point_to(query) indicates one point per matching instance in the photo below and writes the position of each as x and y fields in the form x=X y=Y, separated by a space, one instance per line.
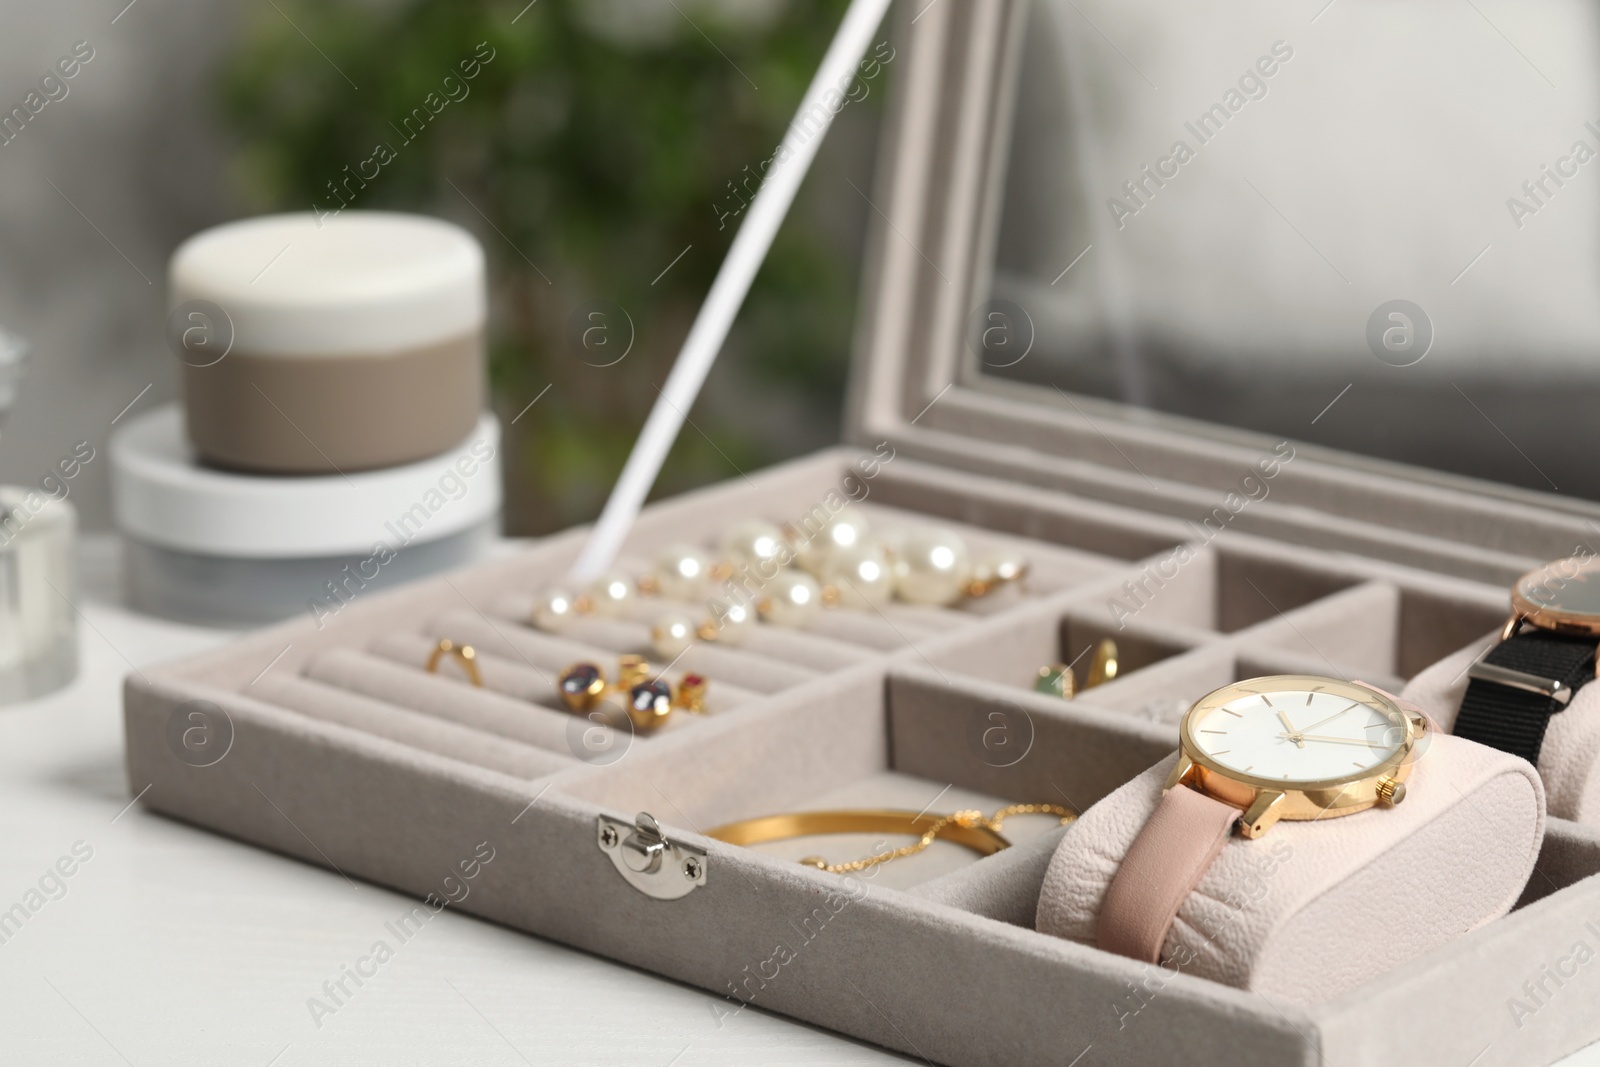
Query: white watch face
x=1298 y=735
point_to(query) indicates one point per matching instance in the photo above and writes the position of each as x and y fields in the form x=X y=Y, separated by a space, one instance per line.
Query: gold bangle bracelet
x=969 y=829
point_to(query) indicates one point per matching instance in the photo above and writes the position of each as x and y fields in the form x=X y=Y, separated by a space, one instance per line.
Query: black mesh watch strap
x=1506 y=713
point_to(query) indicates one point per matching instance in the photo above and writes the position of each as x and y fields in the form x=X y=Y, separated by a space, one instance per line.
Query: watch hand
x=1293 y=734
x=1346 y=741
x=1330 y=718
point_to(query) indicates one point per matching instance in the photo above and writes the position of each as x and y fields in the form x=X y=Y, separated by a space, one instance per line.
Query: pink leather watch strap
x=1162 y=867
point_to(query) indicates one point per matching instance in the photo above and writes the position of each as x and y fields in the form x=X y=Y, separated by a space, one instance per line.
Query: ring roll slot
x=551 y=653
x=512 y=640
x=885 y=629
x=519 y=680
x=409 y=727
x=1051 y=568
x=914 y=619
x=926 y=618
x=863 y=629
x=1080 y=526
x=522 y=683
x=809 y=650
x=447 y=698
x=891 y=628
x=720 y=663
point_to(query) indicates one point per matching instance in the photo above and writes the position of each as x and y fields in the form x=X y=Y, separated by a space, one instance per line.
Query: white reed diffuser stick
x=738 y=271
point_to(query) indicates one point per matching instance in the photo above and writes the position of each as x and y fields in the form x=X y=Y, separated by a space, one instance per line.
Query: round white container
x=222 y=548
x=317 y=345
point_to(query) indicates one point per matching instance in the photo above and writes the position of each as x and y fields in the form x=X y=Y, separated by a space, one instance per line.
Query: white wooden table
x=172 y=946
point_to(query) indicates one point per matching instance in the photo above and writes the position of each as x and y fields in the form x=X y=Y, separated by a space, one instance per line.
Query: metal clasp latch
x=1553 y=688
x=655 y=866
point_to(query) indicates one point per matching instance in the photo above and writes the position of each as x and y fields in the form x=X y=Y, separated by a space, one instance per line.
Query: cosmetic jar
x=327 y=343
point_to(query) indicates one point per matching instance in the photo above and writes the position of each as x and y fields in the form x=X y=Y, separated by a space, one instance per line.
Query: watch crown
x=1390 y=791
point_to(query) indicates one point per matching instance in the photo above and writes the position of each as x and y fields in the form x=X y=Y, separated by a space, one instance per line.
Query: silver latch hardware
x=655 y=866
x=1553 y=688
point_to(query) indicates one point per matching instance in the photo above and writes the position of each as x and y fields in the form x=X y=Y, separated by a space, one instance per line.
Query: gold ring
x=464 y=655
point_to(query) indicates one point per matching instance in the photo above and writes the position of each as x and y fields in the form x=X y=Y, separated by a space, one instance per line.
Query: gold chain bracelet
x=968 y=828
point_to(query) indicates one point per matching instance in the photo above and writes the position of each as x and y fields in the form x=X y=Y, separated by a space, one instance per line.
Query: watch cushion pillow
x=1311 y=909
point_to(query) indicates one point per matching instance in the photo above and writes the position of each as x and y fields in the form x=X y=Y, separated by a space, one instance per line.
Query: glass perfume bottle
x=38 y=570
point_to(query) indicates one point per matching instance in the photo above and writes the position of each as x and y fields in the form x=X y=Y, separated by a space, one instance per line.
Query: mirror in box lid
x=1370 y=227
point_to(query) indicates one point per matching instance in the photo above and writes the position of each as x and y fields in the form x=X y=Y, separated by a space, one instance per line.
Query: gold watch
x=1282 y=747
x=1297 y=747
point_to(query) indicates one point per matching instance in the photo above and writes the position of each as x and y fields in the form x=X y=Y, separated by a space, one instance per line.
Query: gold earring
x=648 y=701
x=1104 y=667
x=581 y=686
x=690 y=693
x=631 y=670
x=1057 y=679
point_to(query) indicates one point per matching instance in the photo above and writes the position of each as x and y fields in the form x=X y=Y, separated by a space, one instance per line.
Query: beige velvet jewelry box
x=341 y=751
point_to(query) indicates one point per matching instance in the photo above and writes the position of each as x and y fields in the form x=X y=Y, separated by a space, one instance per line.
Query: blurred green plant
x=595 y=141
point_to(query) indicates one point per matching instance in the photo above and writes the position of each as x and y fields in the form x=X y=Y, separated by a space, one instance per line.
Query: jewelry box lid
x=1137 y=258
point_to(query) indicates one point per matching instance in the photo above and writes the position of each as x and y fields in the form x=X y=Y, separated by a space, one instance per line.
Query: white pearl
x=843 y=532
x=612 y=594
x=757 y=546
x=554 y=611
x=932 y=567
x=681 y=572
x=732 y=622
x=847 y=530
x=671 y=635
x=791 y=599
x=862 y=576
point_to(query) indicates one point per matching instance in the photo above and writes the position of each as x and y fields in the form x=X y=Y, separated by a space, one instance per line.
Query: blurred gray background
x=101 y=186
x=1241 y=293
x=132 y=148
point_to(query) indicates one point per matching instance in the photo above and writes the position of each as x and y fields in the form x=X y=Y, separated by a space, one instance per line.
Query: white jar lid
x=357 y=282
x=162 y=495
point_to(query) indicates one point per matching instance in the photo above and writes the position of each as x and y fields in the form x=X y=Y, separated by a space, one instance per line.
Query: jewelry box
x=1208 y=556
